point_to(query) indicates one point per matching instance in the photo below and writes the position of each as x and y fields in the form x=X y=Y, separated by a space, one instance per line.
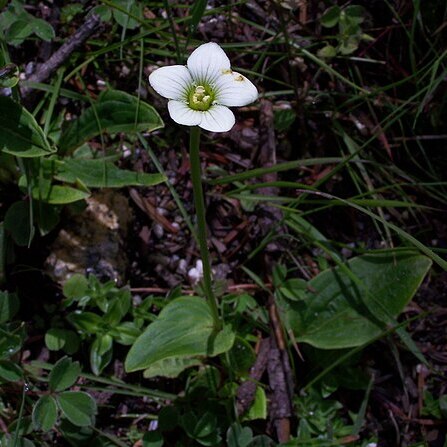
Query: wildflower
x=201 y=92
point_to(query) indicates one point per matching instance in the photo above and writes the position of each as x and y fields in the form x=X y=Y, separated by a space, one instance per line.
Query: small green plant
x=17 y=25
x=77 y=407
x=98 y=318
x=350 y=33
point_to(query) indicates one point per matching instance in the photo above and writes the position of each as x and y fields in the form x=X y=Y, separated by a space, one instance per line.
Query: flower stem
x=196 y=175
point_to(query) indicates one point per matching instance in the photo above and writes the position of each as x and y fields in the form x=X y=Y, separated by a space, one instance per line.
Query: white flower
x=196 y=273
x=201 y=92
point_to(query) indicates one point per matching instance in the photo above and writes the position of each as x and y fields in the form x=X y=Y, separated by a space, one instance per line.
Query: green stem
x=196 y=175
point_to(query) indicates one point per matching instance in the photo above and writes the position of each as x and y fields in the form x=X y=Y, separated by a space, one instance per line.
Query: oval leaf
x=114 y=111
x=340 y=313
x=64 y=374
x=20 y=134
x=44 y=413
x=78 y=407
x=331 y=16
x=184 y=328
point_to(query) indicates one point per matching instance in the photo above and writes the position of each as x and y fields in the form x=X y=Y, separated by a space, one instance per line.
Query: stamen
x=201 y=98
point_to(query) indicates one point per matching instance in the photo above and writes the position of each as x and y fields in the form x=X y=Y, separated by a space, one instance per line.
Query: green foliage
x=184 y=328
x=20 y=135
x=127 y=13
x=101 y=325
x=114 y=111
x=45 y=413
x=368 y=131
x=16 y=24
x=102 y=174
x=78 y=407
x=350 y=33
x=64 y=374
x=362 y=298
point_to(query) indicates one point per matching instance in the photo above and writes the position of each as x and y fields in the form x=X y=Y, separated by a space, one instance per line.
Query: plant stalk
x=196 y=176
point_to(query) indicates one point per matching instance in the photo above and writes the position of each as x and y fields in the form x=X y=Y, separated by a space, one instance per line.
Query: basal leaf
x=338 y=312
x=103 y=174
x=114 y=111
x=184 y=328
x=20 y=134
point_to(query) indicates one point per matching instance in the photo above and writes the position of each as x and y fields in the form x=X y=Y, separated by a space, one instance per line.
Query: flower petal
x=234 y=90
x=207 y=62
x=217 y=119
x=171 y=82
x=181 y=113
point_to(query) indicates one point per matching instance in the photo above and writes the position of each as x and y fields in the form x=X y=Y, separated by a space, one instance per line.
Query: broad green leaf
x=114 y=111
x=20 y=134
x=18 y=32
x=355 y=13
x=78 y=407
x=123 y=19
x=9 y=306
x=10 y=371
x=58 y=194
x=339 y=312
x=43 y=29
x=184 y=328
x=64 y=374
x=330 y=17
x=44 y=413
x=104 y=12
x=103 y=174
x=170 y=367
x=55 y=339
x=76 y=287
x=9 y=76
x=101 y=352
x=17 y=222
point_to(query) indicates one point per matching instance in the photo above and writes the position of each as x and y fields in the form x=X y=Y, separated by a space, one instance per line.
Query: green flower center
x=200 y=97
